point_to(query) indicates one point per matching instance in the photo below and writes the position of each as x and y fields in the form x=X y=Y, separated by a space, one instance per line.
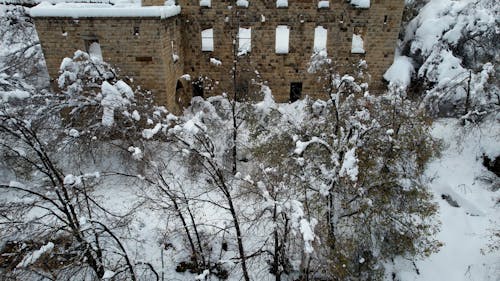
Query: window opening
x=295 y=91
x=93 y=49
x=207 y=40
x=358 y=43
x=197 y=88
x=242 y=89
x=320 y=39
x=281 y=3
x=282 y=39
x=206 y=3
x=323 y=4
x=244 y=41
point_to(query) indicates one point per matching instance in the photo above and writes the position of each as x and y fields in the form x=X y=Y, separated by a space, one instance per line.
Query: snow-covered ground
x=466 y=230
x=457 y=174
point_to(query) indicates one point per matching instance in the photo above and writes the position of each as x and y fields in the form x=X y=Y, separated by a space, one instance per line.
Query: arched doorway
x=181 y=97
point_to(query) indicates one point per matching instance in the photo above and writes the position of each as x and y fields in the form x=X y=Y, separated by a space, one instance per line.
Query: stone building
x=259 y=41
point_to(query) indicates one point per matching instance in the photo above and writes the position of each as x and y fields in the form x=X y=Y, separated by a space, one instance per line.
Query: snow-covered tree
x=453 y=49
x=356 y=162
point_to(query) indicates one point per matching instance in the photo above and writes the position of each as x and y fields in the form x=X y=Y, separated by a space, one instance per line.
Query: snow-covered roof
x=130 y=8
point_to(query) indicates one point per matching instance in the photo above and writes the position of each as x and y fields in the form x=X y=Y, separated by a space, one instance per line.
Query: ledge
x=79 y=10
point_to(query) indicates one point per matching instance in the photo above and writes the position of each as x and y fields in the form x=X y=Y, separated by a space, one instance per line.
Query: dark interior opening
x=197 y=88
x=295 y=91
x=179 y=85
x=242 y=90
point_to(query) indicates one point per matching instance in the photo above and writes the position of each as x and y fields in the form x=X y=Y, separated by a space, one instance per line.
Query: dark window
x=179 y=85
x=242 y=89
x=385 y=19
x=197 y=88
x=143 y=58
x=295 y=91
x=181 y=98
x=136 y=30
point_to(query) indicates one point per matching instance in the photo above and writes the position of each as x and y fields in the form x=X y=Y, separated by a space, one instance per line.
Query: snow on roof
x=361 y=3
x=126 y=8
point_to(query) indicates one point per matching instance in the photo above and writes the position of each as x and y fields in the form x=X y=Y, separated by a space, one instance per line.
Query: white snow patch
x=215 y=62
x=357 y=44
x=350 y=165
x=108 y=274
x=361 y=3
x=95 y=10
x=400 y=71
x=33 y=257
x=149 y=133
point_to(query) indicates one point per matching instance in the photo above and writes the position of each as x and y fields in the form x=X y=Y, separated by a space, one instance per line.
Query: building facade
x=228 y=44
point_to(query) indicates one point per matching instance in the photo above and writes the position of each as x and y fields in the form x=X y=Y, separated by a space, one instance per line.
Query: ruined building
x=269 y=41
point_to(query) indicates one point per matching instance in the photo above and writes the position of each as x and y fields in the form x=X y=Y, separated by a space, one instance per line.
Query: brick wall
x=379 y=25
x=159 y=39
x=145 y=56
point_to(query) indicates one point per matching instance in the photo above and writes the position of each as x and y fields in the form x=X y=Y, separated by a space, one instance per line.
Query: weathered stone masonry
x=148 y=55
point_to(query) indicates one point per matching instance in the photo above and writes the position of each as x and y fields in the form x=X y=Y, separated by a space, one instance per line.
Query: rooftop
x=93 y=9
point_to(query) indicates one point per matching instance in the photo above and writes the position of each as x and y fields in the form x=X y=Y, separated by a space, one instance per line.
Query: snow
x=207 y=40
x=108 y=274
x=136 y=116
x=186 y=77
x=112 y=99
x=350 y=165
x=282 y=37
x=74 y=133
x=5 y=96
x=281 y=3
x=307 y=230
x=33 y=257
x=267 y=104
x=215 y=62
x=149 y=133
x=242 y=3
x=124 y=89
x=400 y=71
x=244 y=41
x=203 y=275
x=71 y=180
x=95 y=10
x=323 y=4
x=357 y=44
x=205 y=3
x=95 y=52
x=136 y=152
x=361 y=3
x=465 y=229
x=301 y=146
x=320 y=39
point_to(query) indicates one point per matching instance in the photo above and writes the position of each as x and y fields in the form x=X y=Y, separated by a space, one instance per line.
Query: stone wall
x=379 y=26
x=141 y=48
